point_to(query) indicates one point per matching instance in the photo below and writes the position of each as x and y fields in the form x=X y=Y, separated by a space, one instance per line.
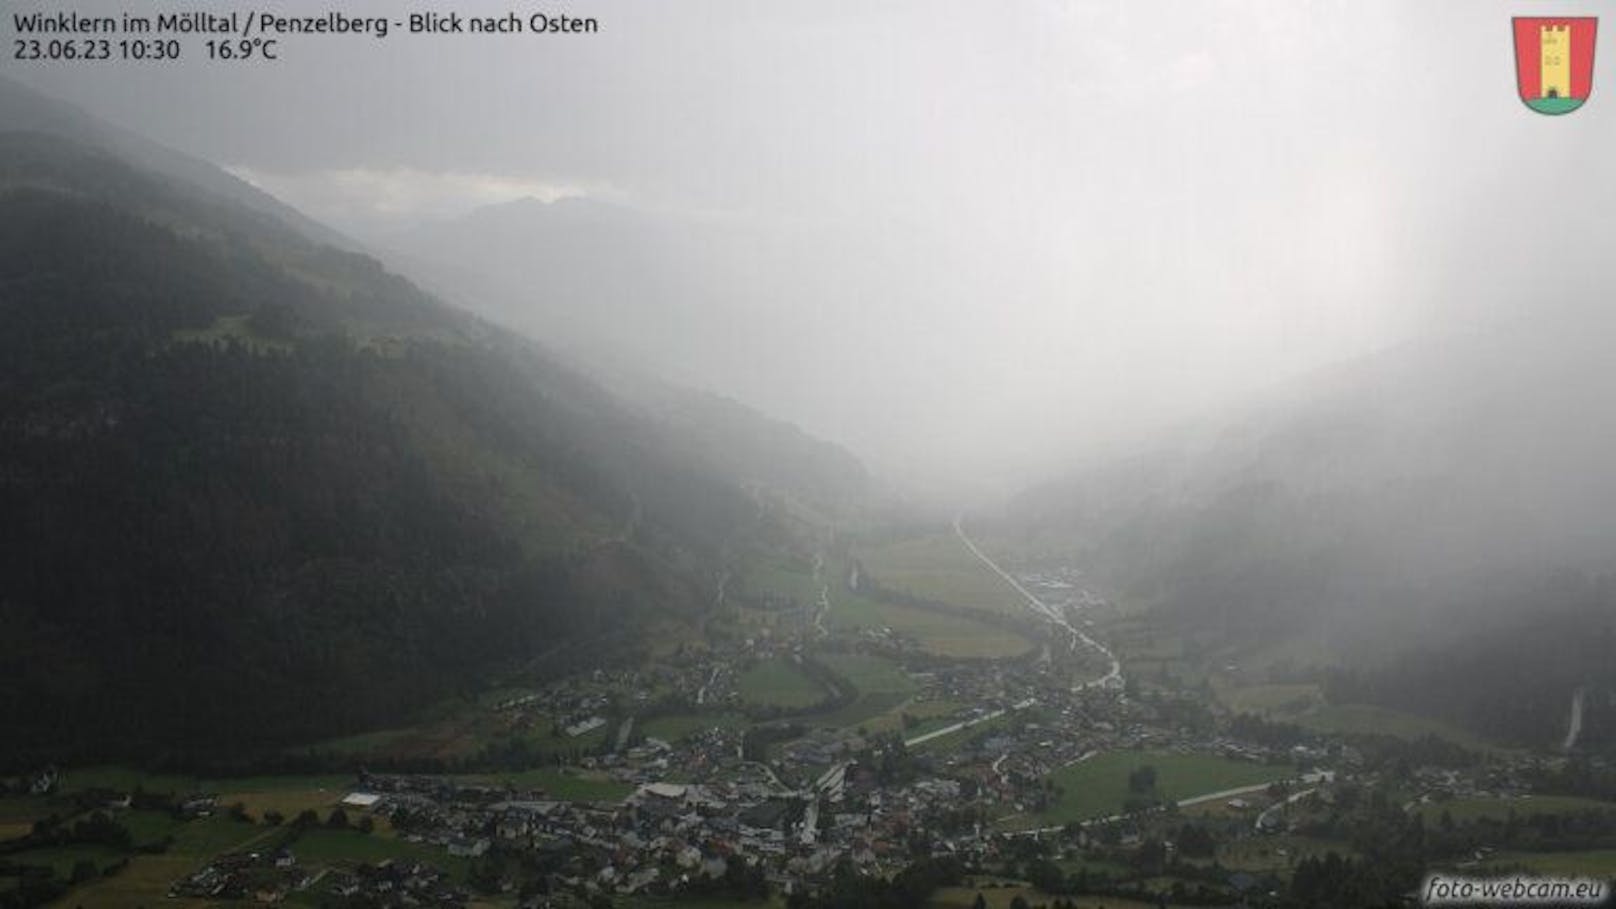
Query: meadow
x=1098 y=787
x=1366 y=719
x=1499 y=809
x=941 y=569
x=777 y=683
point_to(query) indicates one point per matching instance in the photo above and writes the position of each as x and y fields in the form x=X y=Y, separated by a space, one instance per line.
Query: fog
x=974 y=243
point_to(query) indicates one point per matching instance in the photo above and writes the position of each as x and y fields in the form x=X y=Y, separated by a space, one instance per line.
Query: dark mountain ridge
x=259 y=490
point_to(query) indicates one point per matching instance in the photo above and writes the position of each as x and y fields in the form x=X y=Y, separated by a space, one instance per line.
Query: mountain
x=260 y=490
x=1447 y=496
x=28 y=111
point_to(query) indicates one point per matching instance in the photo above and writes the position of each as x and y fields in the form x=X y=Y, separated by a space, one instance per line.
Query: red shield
x=1554 y=62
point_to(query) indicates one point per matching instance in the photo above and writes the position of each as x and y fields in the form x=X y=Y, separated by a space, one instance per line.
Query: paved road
x=966 y=724
x=1113 y=675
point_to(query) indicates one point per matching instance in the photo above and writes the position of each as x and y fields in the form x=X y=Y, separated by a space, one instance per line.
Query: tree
x=1142 y=780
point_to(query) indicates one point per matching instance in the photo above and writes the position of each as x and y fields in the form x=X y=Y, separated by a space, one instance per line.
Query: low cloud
x=366 y=200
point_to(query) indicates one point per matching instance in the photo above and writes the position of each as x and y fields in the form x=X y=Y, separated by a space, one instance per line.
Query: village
x=666 y=778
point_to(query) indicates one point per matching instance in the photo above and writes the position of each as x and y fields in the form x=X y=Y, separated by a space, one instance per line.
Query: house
x=465 y=847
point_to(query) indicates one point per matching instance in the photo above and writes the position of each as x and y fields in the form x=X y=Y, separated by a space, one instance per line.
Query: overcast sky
x=1076 y=221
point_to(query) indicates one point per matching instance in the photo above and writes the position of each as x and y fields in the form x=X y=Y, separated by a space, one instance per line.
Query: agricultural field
x=941 y=569
x=870 y=674
x=382 y=740
x=932 y=631
x=1593 y=862
x=1098 y=787
x=783 y=578
x=17 y=815
x=1499 y=809
x=925 y=716
x=1269 y=700
x=147 y=878
x=1366 y=719
x=320 y=846
x=882 y=685
x=777 y=683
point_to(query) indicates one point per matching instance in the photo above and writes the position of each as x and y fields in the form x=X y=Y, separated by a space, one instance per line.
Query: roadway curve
x=1113 y=675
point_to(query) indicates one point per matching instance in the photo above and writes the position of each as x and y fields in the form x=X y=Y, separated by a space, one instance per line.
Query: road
x=1113 y=675
x=966 y=724
x=701 y=696
x=1261 y=823
x=824 y=595
x=1575 y=730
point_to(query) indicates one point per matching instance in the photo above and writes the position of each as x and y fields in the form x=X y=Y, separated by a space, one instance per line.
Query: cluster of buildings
x=265 y=877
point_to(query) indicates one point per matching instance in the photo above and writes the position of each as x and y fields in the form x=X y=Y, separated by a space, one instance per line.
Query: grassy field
x=784 y=578
x=928 y=715
x=1596 y=862
x=777 y=683
x=866 y=709
x=940 y=568
x=934 y=632
x=321 y=846
x=1364 y=719
x=18 y=813
x=1462 y=810
x=1270 y=700
x=1098 y=787
x=144 y=882
x=147 y=878
x=869 y=674
x=368 y=742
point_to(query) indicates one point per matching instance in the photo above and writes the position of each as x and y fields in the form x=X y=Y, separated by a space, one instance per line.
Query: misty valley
x=524 y=556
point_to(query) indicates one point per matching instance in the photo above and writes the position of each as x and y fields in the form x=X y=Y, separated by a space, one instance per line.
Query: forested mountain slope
x=1445 y=497
x=256 y=489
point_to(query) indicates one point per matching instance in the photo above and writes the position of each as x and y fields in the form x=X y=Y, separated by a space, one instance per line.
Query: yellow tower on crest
x=1556 y=56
